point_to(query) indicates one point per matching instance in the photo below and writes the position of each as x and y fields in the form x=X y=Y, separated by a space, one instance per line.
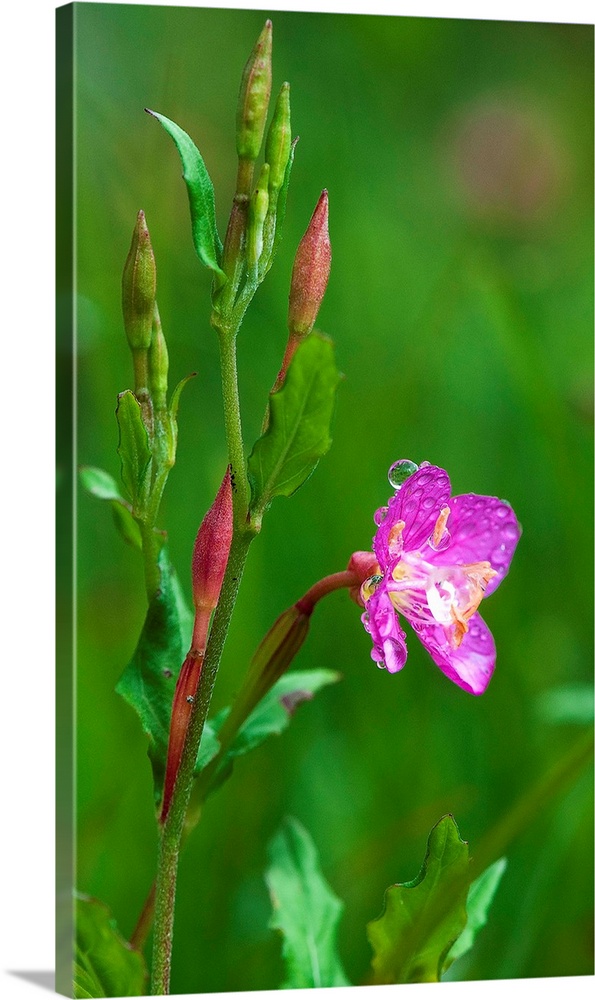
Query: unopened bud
x=278 y=143
x=138 y=287
x=310 y=273
x=211 y=548
x=253 y=101
x=364 y=565
x=259 y=206
x=158 y=364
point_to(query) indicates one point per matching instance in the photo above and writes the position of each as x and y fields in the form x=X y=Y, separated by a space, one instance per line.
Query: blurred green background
x=458 y=159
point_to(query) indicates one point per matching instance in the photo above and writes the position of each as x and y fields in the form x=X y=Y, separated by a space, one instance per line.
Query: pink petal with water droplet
x=471 y=665
x=418 y=503
x=383 y=625
x=481 y=528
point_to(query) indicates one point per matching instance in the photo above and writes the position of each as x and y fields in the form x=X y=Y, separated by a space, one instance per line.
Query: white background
x=27 y=470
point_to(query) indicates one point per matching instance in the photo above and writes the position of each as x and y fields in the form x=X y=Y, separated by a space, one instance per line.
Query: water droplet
x=381 y=664
x=499 y=556
x=428 y=502
x=379 y=515
x=509 y=531
x=400 y=471
x=443 y=542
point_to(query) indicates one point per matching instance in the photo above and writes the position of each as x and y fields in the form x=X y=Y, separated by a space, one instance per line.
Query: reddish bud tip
x=311 y=270
x=211 y=548
x=363 y=564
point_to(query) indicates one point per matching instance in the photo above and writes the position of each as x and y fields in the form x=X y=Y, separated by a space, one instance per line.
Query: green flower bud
x=259 y=206
x=278 y=142
x=138 y=287
x=158 y=364
x=255 y=91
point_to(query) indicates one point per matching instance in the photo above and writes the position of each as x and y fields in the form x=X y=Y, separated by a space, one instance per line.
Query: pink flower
x=437 y=558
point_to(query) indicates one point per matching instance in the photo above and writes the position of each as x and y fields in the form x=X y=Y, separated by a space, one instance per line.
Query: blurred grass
x=458 y=158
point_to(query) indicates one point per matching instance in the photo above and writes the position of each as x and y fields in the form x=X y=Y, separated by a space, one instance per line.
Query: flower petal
x=481 y=528
x=471 y=665
x=381 y=621
x=418 y=503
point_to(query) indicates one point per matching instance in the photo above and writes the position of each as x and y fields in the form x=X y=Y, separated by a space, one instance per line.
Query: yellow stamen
x=440 y=526
x=395 y=534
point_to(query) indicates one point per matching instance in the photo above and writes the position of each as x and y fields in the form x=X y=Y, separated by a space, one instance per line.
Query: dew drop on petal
x=443 y=543
x=400 y=471
x=379 y=515
x=499 y=556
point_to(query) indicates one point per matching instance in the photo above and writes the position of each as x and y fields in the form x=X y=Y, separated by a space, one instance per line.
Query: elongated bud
x=211 y=548
x=278 y=142
x=158 y=364
x=253 y=101
x=139 y=283
x=311 y=270
x=259 y=206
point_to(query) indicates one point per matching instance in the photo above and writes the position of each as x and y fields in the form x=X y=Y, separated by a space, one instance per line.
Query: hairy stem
x=171 y=835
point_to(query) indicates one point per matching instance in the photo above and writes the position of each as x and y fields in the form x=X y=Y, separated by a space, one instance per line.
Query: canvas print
x=325 y=475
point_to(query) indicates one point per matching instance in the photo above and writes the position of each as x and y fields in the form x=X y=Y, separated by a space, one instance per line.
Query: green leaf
x=105 y=964
x=271 y=717
x=103 y=486
x=149 y=680
x=479 y=900
x=305 y=910
x=273 y=714
x=298 y=434
x=423 y=918
x=175 y=396
x=200 y=195
x=282 y=200
x=133 y=447
x=569 y=703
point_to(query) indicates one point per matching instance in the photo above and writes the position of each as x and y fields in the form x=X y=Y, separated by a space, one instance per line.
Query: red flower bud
x=211 y=548
x=311 y=269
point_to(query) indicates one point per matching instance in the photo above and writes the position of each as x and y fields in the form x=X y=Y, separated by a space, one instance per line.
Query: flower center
x=433 y=595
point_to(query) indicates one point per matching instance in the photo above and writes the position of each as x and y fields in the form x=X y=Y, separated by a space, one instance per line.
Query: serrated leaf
x=305 y=910
x=200 y=195
x=100 y=484
x=148 y=681
x=133 y=446
x=105 y=964
x=298 y=434
x=423 y=918
x=479 y=900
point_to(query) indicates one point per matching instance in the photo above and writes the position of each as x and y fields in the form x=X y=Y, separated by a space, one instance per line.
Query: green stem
x=233 y=428
x=151 y=547
x=171 y=835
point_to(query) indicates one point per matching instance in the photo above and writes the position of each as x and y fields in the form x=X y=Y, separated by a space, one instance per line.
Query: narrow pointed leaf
x=200 y=195
x=105 y=965
x=148 y=681
x=423 y=918
x=175 y=396
x=103 y=486
x=479 y=900
x=133 y=447
x=305 y=910
x=298 y=434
